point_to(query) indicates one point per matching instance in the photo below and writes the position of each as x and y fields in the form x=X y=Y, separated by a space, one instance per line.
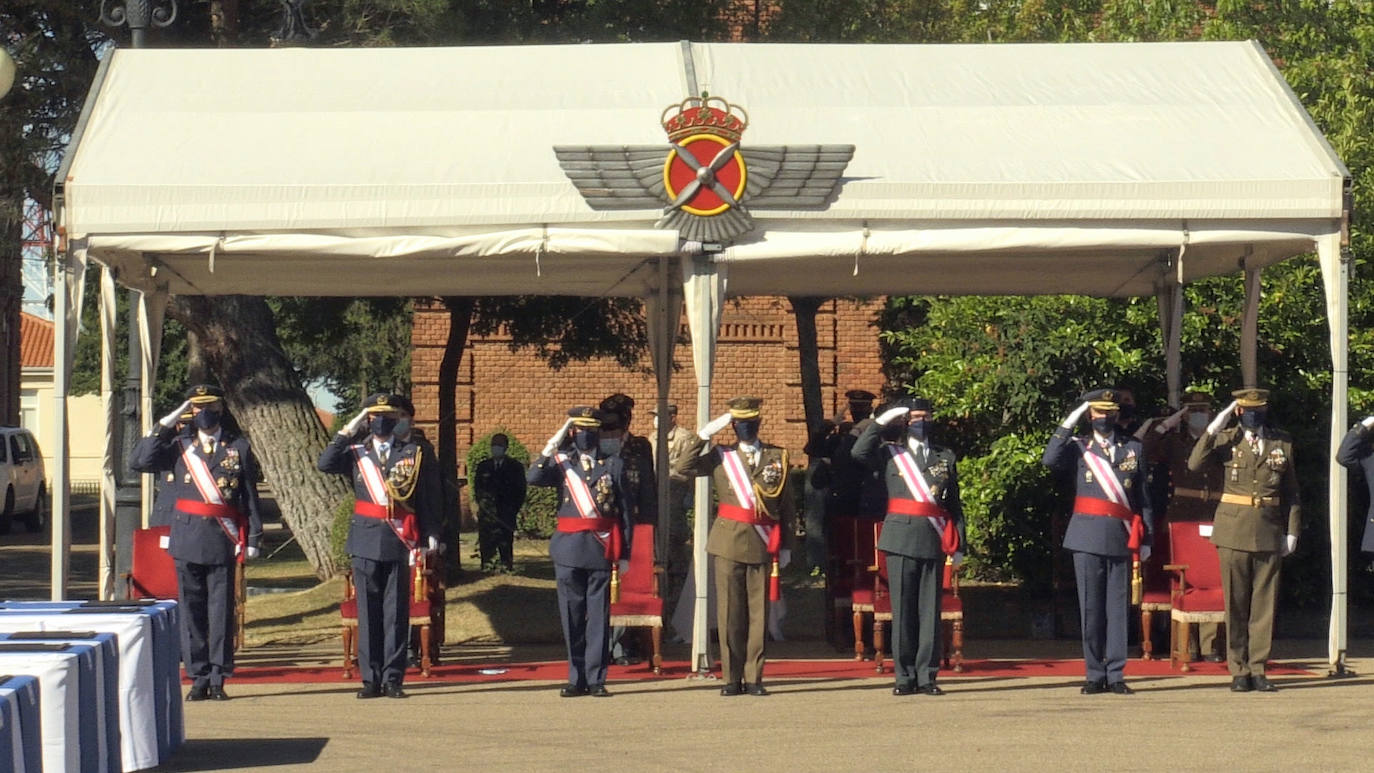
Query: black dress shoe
x=1241 y=684
x=731 y=688
x=1262 y=684
x=1215 y=658
x=217 y=693
x=198 y=694
x=599 y=691
x=1094 y=687
x=393 y=690
x=571 y=691
x=756 y=688
x=1120 y=688
x=930 y=689
x=369 y=690
x=903 y=689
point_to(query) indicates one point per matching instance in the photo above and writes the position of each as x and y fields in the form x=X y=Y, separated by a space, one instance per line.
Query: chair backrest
x=1189 y=547
x=640 y=578
x=152 y=572
x=879 y=559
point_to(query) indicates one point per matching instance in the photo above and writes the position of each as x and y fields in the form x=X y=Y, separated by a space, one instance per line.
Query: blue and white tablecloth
x=66 y=682
x=105 y=713
x=21 y=749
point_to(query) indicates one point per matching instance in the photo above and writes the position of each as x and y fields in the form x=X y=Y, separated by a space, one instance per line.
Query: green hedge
x=537 y=518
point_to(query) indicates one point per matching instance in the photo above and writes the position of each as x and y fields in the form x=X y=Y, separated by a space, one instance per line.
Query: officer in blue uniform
x=164 y=490
x=593 y=533
x=395 y=517
x=1110 y=507
x=924 y=524
x=215 y=526
x=1357 y=453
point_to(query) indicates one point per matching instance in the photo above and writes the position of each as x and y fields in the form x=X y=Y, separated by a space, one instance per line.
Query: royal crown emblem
x=704 y=180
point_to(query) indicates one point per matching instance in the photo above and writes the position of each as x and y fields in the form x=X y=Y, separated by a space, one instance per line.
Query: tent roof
x=979 y=169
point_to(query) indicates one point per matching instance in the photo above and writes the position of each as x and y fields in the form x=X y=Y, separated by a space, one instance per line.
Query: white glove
x=1144 y=553
x=171 y=419
x=714 y=425
x=1221 y=419
x=958 y=558
x=784 y=558
x=1290 y=543
x=1173 y=421
x=624 y=566
x=1368 y=422
x=892 y=414
x=354 y=424
x=551 y=447
x=1073 y=417
x=252 y=553
x=433 y=544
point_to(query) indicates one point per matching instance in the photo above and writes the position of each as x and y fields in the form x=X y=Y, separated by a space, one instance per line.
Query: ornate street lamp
x=139 y=15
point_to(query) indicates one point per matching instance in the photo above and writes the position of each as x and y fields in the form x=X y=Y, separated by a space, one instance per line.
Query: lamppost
x=139 y=15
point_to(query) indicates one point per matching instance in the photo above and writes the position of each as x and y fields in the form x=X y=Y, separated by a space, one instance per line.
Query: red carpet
x=554 y=671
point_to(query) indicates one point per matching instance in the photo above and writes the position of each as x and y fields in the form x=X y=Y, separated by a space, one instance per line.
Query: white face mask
x=610 y=446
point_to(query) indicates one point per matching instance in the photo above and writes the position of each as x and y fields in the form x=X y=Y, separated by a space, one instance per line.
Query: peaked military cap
x=1195 y=397
x=203 y=394
x=1251 y=397
x=860 y=396
x=619 y=402
x=909 y=402
x=403 y=403
x=585 y=416
x=612 y=420
x=744 y=407
x=1102 y=399
x=380 y=403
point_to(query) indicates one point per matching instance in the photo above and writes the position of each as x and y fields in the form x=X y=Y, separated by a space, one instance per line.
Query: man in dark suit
x=1256 y=525
x=215 y=526
x=498 y=488
x=750 y=539
x=924 y=525
x=395 y=519
x=1112 y=519
x=591 y=539
x=1357 y=453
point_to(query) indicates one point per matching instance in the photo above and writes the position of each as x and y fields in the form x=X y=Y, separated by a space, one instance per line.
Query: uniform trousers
x=206 y=595
x=1104 y=607
x=741 y=617
x=1250 y=584
x=383 y=593
x=915 y=587
x=584 y=608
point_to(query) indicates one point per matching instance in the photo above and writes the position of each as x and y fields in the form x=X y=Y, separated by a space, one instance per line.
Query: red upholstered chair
x=641 y=602
x=1155 y=594
x=1195 y=590
x=426 y=613
x=865 y=564
x=153 y=574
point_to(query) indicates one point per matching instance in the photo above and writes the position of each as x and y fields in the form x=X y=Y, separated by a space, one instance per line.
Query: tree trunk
x=808 y=354
x=11 y=298
x=459 y=322
x=238 y=338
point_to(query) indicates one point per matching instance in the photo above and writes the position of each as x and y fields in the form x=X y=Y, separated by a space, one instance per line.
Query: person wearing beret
x=590 y=541
x=1112 y=522
x=215 y=526
x=750 y=539
x=1357 y=453
x=1256 y=525
x=924 y=526
x=395 y=518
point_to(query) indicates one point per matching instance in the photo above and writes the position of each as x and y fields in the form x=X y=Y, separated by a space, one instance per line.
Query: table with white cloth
x=150 y=718
x=21 y=736
x=66 y=682
x=104 y=715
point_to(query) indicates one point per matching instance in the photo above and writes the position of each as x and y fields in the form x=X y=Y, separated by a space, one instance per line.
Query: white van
x=23 y=479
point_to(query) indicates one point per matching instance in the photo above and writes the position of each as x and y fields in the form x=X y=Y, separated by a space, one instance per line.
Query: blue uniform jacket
x=197 y=539
x=1102 y=535
x=614 y=498
x=374 y=538
x=1355 y=452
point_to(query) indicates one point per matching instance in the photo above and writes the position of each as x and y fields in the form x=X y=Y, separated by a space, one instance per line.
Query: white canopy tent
x=1107 y=170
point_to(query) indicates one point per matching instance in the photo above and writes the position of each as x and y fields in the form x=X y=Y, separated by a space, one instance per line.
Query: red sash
x=949 y=534
x=744 y=515
x=409 y=531
x=577 y=524
x=406 y=529
x=1135 y=525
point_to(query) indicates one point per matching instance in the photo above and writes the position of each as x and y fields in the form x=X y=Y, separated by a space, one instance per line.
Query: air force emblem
x=704 y=177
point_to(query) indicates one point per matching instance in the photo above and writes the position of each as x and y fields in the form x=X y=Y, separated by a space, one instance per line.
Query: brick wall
x=757 y=354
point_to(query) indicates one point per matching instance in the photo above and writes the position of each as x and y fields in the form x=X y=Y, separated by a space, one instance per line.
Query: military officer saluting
x=1256 y=524
x=395 y=519
x=1357 y=453
x=924 y=525
x=592 y=534
x=750 y=539
x=215 y=526
x=1111 y=524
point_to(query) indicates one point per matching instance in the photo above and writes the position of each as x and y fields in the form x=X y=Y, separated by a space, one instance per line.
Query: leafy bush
x=338 y=532
x=538 y=516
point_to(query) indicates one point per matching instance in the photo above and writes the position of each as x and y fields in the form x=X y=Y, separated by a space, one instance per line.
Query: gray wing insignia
x=793 y=176
x=615 y=176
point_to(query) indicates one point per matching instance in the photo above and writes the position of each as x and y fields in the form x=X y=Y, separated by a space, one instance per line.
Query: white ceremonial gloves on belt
x=251 y=553
x=1145 y=552
x=354 y=424
x=1290 y=543
x=433 y=544
x=784 y=557
x=1077 y=413
x=623 y=566
x=171 y=419
x=714 y=425
x=891 y=414
x=551 y=447
x=958 y=558
x=1222 y=418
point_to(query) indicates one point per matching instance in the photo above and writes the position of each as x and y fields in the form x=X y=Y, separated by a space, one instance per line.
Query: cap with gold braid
x=744 y=407
x=204 y=394
x=1251 y=397
x=1102 y=399
x=380 y=403
x=1196 y=397
x=585 y=416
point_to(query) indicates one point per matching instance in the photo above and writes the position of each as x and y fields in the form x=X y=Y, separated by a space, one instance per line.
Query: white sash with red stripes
x=742 y=485
x=580 y=493
x=1106 y=476
x=916 y=483
x=209 y=490
x=376 y=489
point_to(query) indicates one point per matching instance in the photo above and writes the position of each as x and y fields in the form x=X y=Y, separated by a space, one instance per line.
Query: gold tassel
x=420 y=578
x=615 y=584
x=1137 y=586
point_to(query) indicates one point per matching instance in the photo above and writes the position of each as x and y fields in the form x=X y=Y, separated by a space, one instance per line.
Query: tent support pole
x=61 y=475
x=1249 y=327
x=1335 y=264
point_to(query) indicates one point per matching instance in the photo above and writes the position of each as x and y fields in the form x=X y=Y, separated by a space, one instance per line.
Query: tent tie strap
x=863 y=246
x=539 y=251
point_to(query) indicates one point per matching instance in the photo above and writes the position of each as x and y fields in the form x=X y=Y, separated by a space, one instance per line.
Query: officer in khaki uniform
x=1256 y=525
x=750 y=539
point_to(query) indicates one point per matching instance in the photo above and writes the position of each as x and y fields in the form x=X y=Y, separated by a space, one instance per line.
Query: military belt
x=1249 y=501
x=1197 y=493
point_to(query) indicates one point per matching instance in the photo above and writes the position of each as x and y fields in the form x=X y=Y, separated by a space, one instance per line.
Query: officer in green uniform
x=750 y=539
x=1256 y=525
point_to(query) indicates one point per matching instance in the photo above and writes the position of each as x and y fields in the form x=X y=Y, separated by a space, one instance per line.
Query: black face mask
x=1104 y=425
x=1124 y=416
x=206 y=420
x=587 y=440
x=919 y=429
x=892 y=432
x=860 y=412
x=1252 y=420
x=747 y=431
x=382 y=426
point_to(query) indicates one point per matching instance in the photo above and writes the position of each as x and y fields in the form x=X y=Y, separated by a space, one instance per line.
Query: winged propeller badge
x=704 y=179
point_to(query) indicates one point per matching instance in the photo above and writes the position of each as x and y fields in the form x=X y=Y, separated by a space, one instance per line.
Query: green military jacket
x=734 y=540
x=1267 y=481
x=1189 y=495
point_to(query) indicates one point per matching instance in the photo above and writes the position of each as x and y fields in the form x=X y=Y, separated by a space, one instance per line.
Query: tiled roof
x=35 y=342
